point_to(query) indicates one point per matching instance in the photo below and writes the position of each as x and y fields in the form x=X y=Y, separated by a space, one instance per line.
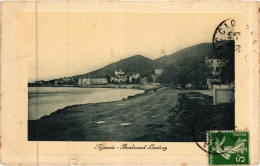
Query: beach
x=151 y=116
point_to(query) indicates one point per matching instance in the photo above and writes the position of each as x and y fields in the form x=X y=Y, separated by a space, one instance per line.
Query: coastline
x=129 y=97
x=121 y=86
x=150 y=116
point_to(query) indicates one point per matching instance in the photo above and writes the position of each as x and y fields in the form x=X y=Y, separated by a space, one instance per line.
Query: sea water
x=45 y=100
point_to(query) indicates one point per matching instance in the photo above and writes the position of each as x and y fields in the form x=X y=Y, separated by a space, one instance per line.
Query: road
x=148 y=117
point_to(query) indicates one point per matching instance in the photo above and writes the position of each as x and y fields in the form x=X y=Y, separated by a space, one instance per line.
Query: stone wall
x=223 y=95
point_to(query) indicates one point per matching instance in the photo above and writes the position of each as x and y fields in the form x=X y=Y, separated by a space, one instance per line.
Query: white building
x=119 y=72
x=158 y=71
x=92 y=81
x=133 y=77
x=215 y=65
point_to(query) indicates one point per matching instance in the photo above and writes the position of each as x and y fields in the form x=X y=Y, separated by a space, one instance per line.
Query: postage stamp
x=228 y=147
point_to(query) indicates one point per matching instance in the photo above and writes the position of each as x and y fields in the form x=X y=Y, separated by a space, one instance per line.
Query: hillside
x=146 y=66
x=200 y=50
x=188 y=65
x=134 y=64
x=197 y=51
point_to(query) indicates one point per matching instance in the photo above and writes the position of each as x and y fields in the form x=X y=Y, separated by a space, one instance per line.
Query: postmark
x=224 y=39
x=228 y=147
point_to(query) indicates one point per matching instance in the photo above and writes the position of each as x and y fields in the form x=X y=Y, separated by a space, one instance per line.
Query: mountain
x=135 y=64
x=188 y=65
x=146 y=66
x=198 y=51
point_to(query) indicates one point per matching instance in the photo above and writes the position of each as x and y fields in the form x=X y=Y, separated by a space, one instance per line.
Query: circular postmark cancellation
x=224 y=39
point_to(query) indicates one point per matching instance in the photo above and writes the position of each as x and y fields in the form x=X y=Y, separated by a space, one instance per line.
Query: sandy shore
x=147 y=117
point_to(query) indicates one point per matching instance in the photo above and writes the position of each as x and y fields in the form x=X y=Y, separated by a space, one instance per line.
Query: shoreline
x=107 y=102
x=75 y=109
x=119 y=86
x=148 y=117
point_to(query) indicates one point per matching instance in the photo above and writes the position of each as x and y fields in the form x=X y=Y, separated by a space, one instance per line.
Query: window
x=217 y=61
x=211 y=61
x=217 y=68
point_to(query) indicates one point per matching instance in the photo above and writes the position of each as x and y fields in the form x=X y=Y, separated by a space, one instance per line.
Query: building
x=92 y=81
x=215 y=66
x=119 y=80
x=134 y=78
x=157 y=73
x=122 y=79
x=40 y=82
x=57 y=82
x=135 y=75
x=67 y=79
x=119 y=73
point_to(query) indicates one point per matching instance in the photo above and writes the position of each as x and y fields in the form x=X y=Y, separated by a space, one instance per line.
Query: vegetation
x=135 y=64
x=228 y=72
x=193 y=71
x=186 y=66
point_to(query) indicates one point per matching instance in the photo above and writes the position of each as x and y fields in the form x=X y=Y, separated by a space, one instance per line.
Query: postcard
x=129 y=83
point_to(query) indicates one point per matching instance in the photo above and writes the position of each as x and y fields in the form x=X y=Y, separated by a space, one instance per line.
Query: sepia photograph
x=129 y=83
x=136 y=77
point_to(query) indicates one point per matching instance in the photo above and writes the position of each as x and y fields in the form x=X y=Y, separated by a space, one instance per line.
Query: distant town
x=214 y=68
x=119 y=77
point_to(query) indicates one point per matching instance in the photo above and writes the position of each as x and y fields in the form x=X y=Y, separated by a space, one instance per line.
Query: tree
x=108 y=78
x=168 y=76
x=228 y=72
x=192 y=70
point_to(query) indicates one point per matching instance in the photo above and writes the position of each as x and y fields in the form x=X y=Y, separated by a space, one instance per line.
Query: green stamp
x=228 y=147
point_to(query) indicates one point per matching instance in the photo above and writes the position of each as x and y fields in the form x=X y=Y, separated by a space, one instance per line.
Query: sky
x=79 y=42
